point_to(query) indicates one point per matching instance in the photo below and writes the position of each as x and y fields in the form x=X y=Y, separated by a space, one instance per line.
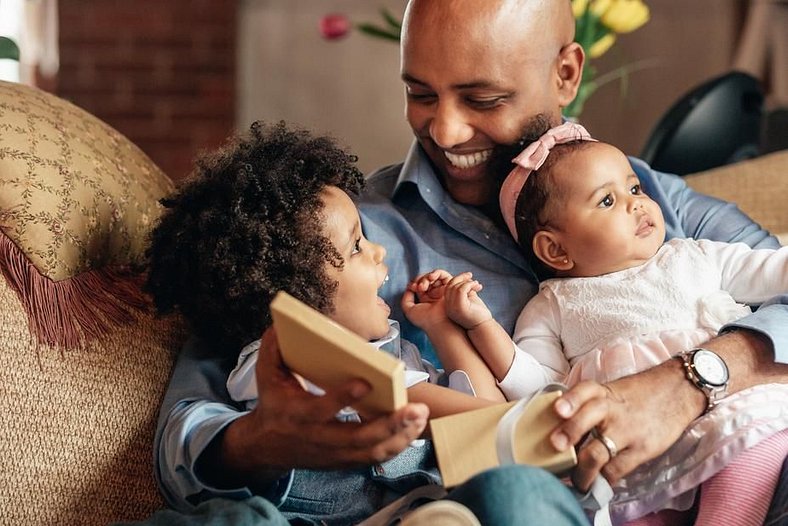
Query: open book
x=329 y=355
x=468 y=443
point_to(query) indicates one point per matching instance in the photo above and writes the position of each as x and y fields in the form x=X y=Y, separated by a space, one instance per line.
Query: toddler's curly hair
x=245 y=225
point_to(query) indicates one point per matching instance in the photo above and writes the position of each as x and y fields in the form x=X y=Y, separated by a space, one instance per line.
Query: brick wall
x=162 y=72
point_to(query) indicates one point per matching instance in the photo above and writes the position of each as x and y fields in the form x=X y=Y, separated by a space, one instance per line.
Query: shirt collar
x=416 y=169
x=390 y=342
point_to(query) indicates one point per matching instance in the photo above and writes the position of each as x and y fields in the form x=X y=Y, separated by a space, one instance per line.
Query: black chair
x=717 y=123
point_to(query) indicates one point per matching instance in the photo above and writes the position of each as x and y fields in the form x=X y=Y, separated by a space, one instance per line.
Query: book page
x=328 y=355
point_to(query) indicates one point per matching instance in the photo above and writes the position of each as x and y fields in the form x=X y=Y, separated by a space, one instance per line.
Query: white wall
x=348 y=88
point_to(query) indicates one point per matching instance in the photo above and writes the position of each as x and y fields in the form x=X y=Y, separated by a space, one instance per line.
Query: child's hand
x=423 y=302
x=430 y=286
x=463 y=304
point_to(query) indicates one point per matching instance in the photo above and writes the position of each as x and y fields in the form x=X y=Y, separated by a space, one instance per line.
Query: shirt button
x=379 y=470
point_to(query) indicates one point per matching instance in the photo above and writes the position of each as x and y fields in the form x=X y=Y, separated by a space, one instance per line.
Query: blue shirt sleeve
x=691 y=214
x=195 y=410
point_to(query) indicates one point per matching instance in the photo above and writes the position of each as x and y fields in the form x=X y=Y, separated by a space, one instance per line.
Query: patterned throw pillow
x=77 y=200
x=74 y=194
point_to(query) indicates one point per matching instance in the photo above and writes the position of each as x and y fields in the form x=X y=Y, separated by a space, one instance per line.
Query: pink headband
x=530 y=159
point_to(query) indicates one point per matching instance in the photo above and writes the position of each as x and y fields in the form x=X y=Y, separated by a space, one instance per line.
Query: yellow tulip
x=624 y=16
x=600 y=7
x=601 y=46
x=579 y=7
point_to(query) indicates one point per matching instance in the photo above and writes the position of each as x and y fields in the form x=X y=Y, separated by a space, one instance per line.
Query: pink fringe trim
x=69 y=313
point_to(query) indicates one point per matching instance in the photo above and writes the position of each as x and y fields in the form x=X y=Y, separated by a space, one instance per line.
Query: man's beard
x=500 y=162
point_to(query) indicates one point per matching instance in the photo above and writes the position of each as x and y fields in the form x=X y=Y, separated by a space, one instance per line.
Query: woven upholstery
x=758 y=186
x=77 y=432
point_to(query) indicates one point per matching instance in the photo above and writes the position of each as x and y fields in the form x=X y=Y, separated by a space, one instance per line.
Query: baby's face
x=605 y=223
x=357 y=305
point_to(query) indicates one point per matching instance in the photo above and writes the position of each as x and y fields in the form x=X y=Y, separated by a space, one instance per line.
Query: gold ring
x=607 y=442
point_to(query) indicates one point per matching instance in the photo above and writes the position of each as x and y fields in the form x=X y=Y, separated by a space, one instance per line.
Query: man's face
x=475 y=81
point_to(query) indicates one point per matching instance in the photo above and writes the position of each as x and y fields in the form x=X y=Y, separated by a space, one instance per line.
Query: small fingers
x=459 y=279
x=408 y=300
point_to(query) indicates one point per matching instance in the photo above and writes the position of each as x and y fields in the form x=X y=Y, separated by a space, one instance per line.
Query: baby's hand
x=429 y=287
x=463 y=304
x=423 y=302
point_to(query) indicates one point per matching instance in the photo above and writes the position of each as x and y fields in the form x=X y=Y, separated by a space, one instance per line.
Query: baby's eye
x=606 y=201
x=636 y=190
x=356 y=247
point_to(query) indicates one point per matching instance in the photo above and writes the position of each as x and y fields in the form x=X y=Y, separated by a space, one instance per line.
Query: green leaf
x=8 y=49
x=391 y=20
x=378 y=32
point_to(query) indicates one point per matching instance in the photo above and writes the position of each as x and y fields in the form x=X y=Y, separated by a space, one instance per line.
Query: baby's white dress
x=602 y=328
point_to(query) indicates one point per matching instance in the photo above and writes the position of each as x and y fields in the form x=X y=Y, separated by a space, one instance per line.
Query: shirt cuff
x=770 y=320
x=191 y=428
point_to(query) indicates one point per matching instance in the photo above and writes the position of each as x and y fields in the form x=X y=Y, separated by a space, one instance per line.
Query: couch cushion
x=758 y=186
x=78 y=424
x=74 y=194
x=84 y=361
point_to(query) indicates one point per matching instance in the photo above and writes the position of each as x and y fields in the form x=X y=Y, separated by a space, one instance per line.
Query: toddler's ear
x=547 y=247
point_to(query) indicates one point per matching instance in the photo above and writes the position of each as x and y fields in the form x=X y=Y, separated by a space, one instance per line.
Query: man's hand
x=641 y=414
x=644 y=414
x=291 y=428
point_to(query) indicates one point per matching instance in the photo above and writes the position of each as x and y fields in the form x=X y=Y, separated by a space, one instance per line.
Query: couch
x=84 y=360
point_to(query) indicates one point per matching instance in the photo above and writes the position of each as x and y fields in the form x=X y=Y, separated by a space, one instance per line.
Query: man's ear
x=570 y=70
x=548 y=249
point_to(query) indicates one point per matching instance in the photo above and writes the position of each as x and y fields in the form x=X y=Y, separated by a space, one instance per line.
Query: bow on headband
x=530 y=159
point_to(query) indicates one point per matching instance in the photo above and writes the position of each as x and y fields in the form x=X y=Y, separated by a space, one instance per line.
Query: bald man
x=477 y=73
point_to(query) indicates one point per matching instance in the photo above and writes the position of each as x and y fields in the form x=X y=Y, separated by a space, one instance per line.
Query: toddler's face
x=605 y=223
x=357 y=305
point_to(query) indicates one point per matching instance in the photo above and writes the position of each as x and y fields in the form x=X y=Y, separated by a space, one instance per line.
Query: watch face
x=710 y=368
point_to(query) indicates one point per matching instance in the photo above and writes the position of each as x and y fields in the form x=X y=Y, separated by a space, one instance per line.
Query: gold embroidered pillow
x=77 y=200
x=74 y=194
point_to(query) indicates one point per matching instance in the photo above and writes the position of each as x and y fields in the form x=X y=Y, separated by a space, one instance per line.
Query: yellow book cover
x=329 y=355
x=465 y=443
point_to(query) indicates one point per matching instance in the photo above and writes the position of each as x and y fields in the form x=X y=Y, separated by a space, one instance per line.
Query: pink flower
x=334 y=26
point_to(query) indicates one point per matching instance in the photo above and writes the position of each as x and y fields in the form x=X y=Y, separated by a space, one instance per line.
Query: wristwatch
x=708 y=372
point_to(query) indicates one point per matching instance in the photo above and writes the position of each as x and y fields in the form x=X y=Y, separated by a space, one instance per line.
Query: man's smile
x=468 y=160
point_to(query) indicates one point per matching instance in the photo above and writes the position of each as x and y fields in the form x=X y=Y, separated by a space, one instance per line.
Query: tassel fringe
x=69 y=313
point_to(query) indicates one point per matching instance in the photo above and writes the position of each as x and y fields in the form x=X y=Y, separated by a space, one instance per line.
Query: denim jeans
x=519 y=495
x=516 y=495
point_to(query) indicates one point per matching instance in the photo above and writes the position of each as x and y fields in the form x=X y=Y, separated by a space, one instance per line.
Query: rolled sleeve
x=770 y=320
x=192 y=426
